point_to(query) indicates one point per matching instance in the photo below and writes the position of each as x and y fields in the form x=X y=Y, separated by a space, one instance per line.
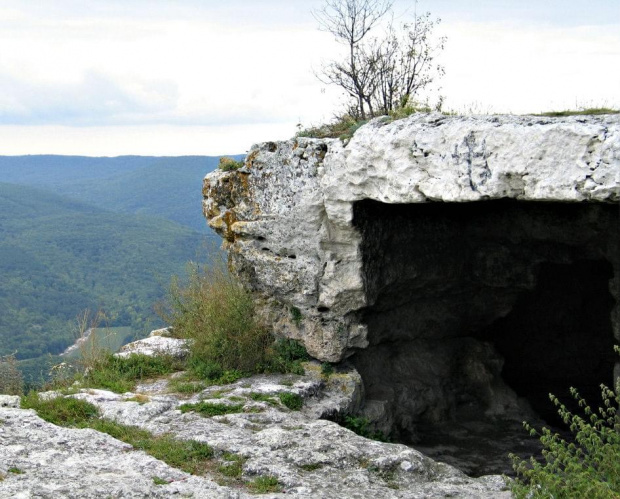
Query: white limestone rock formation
x=155 y=344
x=287 y=216
x=467 y=266
x=311 y=458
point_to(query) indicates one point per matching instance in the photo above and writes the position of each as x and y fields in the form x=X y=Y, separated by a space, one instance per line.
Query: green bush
x=229 y=164
x=342 y=127
x=587 y=466
x=217 y=314
x=286 y=356
x=361 y=426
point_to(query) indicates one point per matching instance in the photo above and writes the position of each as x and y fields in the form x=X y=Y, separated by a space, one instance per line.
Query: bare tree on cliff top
x=380 y=74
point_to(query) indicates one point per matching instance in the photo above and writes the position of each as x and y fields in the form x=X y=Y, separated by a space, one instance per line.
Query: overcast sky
x=175 y=77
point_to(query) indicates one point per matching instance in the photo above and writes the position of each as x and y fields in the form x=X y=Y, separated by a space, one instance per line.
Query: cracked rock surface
x=310 y=457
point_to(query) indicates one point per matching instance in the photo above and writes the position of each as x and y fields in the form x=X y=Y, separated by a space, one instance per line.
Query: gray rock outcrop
x=287 y=216
x=310 y=457
x=441 y=254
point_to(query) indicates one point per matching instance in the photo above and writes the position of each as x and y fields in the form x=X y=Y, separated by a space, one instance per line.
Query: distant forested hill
x=59 y=257
x=168 y=187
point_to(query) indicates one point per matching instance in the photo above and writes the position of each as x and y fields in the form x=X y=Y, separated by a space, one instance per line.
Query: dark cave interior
x=476 y=311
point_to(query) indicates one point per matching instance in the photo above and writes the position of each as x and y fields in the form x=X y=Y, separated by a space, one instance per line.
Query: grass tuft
x=264 y=485
x=61 y=411
x=208 y=410
x=291 y=400
x=581 y=112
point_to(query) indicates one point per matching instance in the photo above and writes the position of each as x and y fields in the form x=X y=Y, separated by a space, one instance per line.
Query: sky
x=184 y=77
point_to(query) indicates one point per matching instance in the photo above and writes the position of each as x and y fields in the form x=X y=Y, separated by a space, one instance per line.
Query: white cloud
x=188 y=70
x=507 y=68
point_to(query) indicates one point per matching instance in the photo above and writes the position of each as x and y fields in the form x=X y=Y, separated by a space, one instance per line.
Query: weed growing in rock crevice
x=190 y=456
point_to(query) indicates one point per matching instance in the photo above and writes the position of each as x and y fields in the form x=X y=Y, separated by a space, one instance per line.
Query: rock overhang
x=346 y=246
x=287 y=215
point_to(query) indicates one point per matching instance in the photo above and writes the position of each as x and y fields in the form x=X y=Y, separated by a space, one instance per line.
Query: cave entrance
x=476 y=311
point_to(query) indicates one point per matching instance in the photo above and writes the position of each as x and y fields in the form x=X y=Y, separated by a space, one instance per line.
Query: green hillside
x=59 y=257
x=167 y=187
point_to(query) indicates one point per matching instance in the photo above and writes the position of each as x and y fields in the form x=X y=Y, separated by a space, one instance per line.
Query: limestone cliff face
x=288 y=216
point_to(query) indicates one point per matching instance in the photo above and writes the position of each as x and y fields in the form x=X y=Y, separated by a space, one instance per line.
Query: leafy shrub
x=588 y=467
x=296 y=316
x=229 y=164
x=327 y=369
x=217 y=313
x=11 y=382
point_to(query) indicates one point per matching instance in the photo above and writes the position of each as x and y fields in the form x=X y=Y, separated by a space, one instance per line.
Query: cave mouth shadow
x=476 y=312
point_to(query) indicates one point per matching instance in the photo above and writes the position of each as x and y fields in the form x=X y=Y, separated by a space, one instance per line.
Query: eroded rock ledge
x=467 y=264
x=287 y=215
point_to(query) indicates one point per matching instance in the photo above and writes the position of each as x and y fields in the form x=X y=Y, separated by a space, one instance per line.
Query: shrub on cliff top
x=217 y=314
x=229 y=164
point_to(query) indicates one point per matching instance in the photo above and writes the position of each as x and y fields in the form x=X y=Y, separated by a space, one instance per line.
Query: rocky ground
x=310 y=457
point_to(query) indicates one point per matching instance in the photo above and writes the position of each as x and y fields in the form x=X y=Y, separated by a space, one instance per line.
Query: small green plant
x=15 y=470
x=581 y=112
x=159 y=481
x=287 y=356
x=327 y=369
x=181 y=386
x=296 y=316
x=262 y=397
x=207 y=409
x=361 y=426
x=311 y=466
x=291 y=400
x=229 y=164
x=264 y=485
x=120 y=374
x=589 y=466
x=233 y=467
x=343 y=127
